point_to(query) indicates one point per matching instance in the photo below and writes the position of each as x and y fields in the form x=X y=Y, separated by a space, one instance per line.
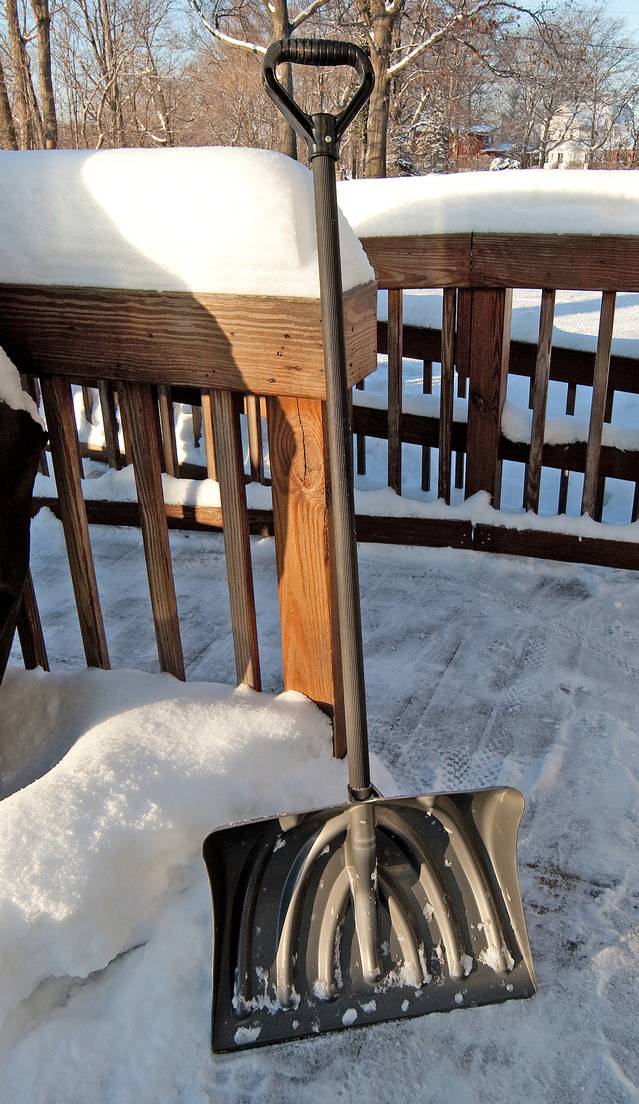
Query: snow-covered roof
x=206 y=220
x=510 y=202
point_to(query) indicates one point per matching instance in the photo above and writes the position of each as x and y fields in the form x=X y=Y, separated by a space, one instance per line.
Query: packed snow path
x=480 y=670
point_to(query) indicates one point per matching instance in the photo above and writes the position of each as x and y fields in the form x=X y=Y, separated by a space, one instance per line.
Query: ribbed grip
x=310 y=51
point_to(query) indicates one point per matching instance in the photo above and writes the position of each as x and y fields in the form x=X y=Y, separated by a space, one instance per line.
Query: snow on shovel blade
x=308 y=938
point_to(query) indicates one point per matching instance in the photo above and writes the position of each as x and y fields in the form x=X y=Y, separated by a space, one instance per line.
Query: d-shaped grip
x=305 y=51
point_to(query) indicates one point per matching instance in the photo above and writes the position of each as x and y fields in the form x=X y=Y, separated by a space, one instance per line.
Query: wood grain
x=310 y=642
x=437 y=260
x=260 y=344
x=598 y=406
x=110 y=424
x=395 y=388
x=167 y=424
x=539 y=400
x=60 y=415
x=254 y=427
x=138 y=403
x=209 y=435
x=237 y=544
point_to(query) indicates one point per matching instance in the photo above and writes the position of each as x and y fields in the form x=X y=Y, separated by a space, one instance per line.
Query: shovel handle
x=308 y=51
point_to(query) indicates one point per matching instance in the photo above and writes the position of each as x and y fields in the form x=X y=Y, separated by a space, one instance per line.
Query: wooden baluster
x=597 y=409
x=209 y=436
x=427 y=389
x=571 y=396
x=138 y=404
x=196 y=422
x=601 y=480
x=110 y=424
x=395 y=365
x=447 y=390
x=635 y=504
x=361 y=442
x=539 y=400
x=87 y=403
x=310 y=629
x=58 y=405
x=31 y=386
x=489 y=351
x=29 y=625
x=237 y=544
x=256 y=448
x=462 y=362
x=167 y=422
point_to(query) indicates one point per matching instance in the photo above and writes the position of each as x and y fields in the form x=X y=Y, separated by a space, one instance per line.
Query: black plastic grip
x=311 y=51
x=322 y=132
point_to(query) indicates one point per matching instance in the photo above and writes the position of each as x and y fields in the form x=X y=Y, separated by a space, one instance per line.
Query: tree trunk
x=378 y=105
x=8 y=134
x=16 y=46
x=43 y=27
x=282 y=29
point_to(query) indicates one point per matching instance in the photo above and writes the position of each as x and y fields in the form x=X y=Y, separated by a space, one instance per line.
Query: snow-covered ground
x=480 y=670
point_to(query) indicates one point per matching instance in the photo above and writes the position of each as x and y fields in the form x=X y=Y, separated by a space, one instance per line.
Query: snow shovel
x=377 y=909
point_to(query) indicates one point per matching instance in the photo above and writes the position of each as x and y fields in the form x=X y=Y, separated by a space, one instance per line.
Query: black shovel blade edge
x=293 y=934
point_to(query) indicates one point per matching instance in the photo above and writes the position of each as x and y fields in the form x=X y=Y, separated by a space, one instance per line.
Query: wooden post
x=299 y=475
x=254 y=428
x=571 y=396
x=138 y=401
x=489 y=349
x=110 y=424
x=395 y=352
x=196 y=422
x=237 y=542
x=361 y=441
x=29 y=625
x=58 y=405
x=87 y=402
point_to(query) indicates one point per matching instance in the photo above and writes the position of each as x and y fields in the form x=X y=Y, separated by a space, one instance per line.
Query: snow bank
x=217 y=220
x=94 y=849
x=11 y=391
x=509 y=202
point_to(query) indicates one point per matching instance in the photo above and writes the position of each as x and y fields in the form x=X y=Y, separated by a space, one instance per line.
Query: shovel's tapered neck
x=340 y=453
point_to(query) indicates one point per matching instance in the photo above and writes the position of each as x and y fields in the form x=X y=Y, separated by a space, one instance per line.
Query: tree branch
x=252 y=47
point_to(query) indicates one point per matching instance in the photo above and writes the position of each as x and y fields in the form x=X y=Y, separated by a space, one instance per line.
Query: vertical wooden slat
x=196 y=422
x=29 y=625
x=31 y=386
x=539 y=399
x=635 y=504
x=138 y=401
x=447 y=389
x=209 y=436
x=395 y=352
x=462 y=388
x=601 y=480
x=310 y=631
x=489 y=350
x=597 y=409
x=256 y=449
x=571 y=396
x=462 y=362
x=110 y=424
x=58 y=405
x=427 y=389
x=237 y=543
x=167 y=422
x=361 y=442
x=87 y=402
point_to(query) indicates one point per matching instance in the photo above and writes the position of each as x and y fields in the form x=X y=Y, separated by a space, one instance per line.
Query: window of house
x=560 y=158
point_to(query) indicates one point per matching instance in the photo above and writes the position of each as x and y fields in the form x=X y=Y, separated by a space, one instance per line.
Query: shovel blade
x=302 y=944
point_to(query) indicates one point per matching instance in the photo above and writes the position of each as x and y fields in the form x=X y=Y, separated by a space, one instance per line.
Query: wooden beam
x=437 y=260
x=299 y=472
x=138 y=402
x=263 y=344
x=29 y=626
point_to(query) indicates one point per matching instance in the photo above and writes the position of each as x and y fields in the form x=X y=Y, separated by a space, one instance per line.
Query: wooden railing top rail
x=266 y=345
x=576 y=262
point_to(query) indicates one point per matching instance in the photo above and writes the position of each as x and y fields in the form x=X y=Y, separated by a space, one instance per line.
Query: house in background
x=581 y=140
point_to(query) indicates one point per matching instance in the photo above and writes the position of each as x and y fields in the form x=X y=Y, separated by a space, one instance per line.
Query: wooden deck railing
x=276 y=393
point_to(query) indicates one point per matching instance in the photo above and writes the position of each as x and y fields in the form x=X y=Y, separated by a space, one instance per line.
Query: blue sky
x=628 y=11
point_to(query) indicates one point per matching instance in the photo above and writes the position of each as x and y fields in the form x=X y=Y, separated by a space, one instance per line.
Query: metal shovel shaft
x=340 y=453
